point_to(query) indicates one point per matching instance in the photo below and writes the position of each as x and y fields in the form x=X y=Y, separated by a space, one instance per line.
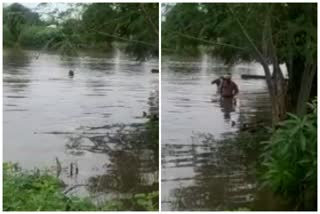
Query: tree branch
x=149 y=19
x=245 y=33
x=127 y=40
x=261 y=58
x=210 y=42
x=74 y=187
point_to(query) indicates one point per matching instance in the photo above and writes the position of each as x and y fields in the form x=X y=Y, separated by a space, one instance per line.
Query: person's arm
x=215 y=81
x=236 y=89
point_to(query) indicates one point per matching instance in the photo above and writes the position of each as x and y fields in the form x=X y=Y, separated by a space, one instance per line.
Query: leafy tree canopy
x=132 y=26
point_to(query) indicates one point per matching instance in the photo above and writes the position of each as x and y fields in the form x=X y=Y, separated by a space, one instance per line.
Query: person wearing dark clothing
x=228 y=87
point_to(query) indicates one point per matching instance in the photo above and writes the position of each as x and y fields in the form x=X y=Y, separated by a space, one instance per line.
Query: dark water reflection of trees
x=16 y=58
x=131 y=151
x=222 y=177
x=16 y=77
x=225 y=175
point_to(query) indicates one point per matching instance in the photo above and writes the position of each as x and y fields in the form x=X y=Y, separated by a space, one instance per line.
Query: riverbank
x=41 y=191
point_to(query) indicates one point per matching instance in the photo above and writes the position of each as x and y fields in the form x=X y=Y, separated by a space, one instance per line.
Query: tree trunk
x=277 y=83
x=295 y=67
x=279 y=109
x=305 y=88
x=279 y=98
x=277 y=91
x=276 y=86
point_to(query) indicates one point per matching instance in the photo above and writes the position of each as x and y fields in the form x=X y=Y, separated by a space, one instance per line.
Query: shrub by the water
x=40 y=191
x=32 y=191
x=38 y=37
x=290 y=160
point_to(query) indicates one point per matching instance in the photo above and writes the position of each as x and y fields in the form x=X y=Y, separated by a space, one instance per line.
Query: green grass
x=40 y=191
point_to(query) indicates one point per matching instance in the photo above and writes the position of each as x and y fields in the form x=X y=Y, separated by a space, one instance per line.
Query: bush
x=24 y=191
x=8 y=38
x=40 y=191
x=290 y=160
x=38 y=37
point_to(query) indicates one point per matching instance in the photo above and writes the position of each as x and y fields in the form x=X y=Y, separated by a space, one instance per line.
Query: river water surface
x=200 y=170
x=80 y=126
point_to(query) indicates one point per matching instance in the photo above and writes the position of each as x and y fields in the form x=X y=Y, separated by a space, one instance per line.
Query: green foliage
x=8 y=38
x=16 y=15
x=23 y=191
x=148 y=202
x=181 y=20
x=63 y=40
x=40 y=191
x=294 y=29
x=38 y=37
x=133 y=25
x=290 y=160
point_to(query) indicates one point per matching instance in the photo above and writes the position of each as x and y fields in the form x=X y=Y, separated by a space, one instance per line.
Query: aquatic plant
x=290 y=160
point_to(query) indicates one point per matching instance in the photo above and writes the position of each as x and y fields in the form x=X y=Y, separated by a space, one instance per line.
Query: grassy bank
x=40 y=191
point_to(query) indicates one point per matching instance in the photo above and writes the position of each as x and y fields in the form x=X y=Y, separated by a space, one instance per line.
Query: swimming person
x=71 y=73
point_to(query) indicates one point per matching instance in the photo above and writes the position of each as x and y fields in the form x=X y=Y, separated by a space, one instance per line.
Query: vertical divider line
x=1 y=112
x=160 y=101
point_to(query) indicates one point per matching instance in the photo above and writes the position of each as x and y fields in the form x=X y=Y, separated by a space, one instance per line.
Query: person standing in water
x=228 y=89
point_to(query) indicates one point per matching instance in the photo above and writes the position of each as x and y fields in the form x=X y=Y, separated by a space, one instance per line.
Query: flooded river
x=201 y=169
x=88 y=128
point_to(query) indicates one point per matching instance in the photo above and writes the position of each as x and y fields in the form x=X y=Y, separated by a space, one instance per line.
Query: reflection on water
x=131 y=164
x=220 y=180
x=203 y=166
x=92 y=124
x=227 y=107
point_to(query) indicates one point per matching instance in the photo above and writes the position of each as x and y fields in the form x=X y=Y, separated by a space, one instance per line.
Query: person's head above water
x=71 y=73
x=227 y=77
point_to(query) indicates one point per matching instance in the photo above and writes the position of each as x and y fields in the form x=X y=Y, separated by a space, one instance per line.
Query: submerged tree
x=271 y=34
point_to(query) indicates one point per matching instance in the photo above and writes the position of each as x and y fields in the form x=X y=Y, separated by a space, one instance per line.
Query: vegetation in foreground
x=290 y=160
x=287 y=164
x=40 y=191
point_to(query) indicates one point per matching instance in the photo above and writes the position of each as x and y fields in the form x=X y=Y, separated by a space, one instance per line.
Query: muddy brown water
x=201 y=170
x=53 y=121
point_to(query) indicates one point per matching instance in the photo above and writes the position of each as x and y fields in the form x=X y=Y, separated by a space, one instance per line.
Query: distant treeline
x=99 y=26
